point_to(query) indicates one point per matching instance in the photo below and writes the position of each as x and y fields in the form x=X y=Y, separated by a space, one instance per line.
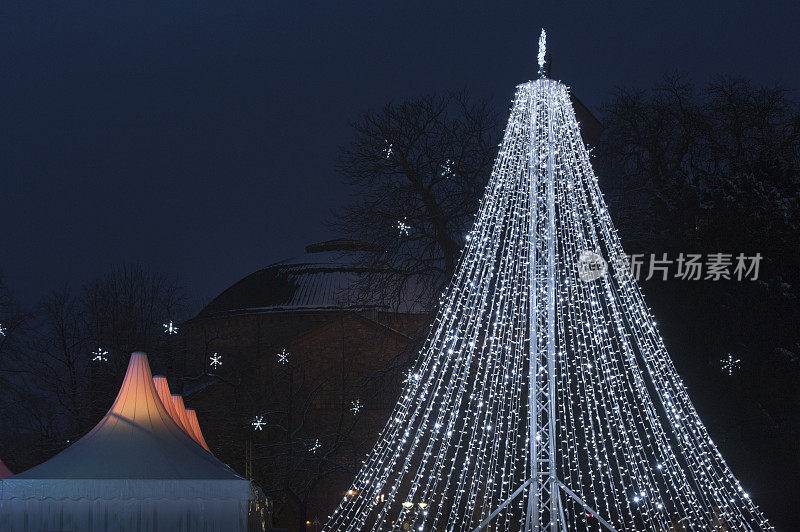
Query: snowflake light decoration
x=403 y=227
x=100 y=355
x=316 y=446
x=258 y=423
x=216 y=360
x=447 y=168
x=2 y=330
x=283 y=357
x=170 y=328
x=730 y=364
x=356 y=406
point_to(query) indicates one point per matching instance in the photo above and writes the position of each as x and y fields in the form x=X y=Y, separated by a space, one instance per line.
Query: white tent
x=197 y=434
x=187 y=415
x=162 y=387
x=180 y=412
x=136 y=470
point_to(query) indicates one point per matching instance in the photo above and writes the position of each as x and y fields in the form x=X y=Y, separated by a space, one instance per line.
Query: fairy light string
x=625 y=435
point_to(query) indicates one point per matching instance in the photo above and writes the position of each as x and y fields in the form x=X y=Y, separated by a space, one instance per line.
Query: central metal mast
x=552 y=488
x=543 y=490
x=534 y=437
x=543 y=487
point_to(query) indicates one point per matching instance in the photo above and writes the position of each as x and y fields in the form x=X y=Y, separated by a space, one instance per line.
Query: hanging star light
x=100 y=355
x=283 y=357
x=258 y=423
x=387 y=151
x=543 y=397
x=447 y=168
x=730 y=364
x=403 y=227
x=170 y=328
x=356 y=406
x=316 y=446
x=216 y=360
x=2 y=330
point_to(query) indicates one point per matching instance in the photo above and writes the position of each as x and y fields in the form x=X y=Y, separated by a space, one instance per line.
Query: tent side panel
x=134 y=515
x=123 y=489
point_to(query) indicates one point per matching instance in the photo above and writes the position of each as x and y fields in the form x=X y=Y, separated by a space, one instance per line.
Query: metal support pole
x=503 y=505
x=551 y=316
x=532 y=513
x=544 y=487
x=587 y=507
x=541 y=403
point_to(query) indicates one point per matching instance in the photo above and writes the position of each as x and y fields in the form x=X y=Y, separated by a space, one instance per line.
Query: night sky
x=199 y=138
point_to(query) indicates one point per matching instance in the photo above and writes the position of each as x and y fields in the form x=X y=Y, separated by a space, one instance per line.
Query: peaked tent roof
x=137 y=439
x=180 y=411
x=194 y=424
x=162 y=387
x=4 y=471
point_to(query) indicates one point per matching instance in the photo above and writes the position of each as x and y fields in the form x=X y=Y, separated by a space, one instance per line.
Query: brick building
x=315 y=364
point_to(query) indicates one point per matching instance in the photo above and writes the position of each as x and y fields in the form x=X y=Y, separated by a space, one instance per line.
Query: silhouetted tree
x=717 y=170
x=719 y=165
x=417 y=170
x=319 y=409
x=15 y=409
x=53 y=375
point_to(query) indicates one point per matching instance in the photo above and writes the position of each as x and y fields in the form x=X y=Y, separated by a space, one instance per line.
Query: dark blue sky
x=198 y=138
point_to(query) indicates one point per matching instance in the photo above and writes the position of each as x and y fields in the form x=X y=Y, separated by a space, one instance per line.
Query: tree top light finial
x=542 y=50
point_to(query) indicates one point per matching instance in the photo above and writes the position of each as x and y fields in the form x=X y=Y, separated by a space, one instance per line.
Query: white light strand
x=626 y=436
x=403 y=227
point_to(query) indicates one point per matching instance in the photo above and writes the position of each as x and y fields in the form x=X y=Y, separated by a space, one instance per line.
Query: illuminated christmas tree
x=543 y=398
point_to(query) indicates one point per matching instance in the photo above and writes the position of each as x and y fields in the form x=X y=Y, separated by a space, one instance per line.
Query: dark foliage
x=717 y=170
x=55 y=392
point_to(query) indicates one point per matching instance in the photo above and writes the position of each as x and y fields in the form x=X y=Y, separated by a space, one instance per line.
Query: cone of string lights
x=543 y=397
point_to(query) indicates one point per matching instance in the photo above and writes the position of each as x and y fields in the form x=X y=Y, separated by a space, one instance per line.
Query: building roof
x=329 y=276
x=591 y=127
